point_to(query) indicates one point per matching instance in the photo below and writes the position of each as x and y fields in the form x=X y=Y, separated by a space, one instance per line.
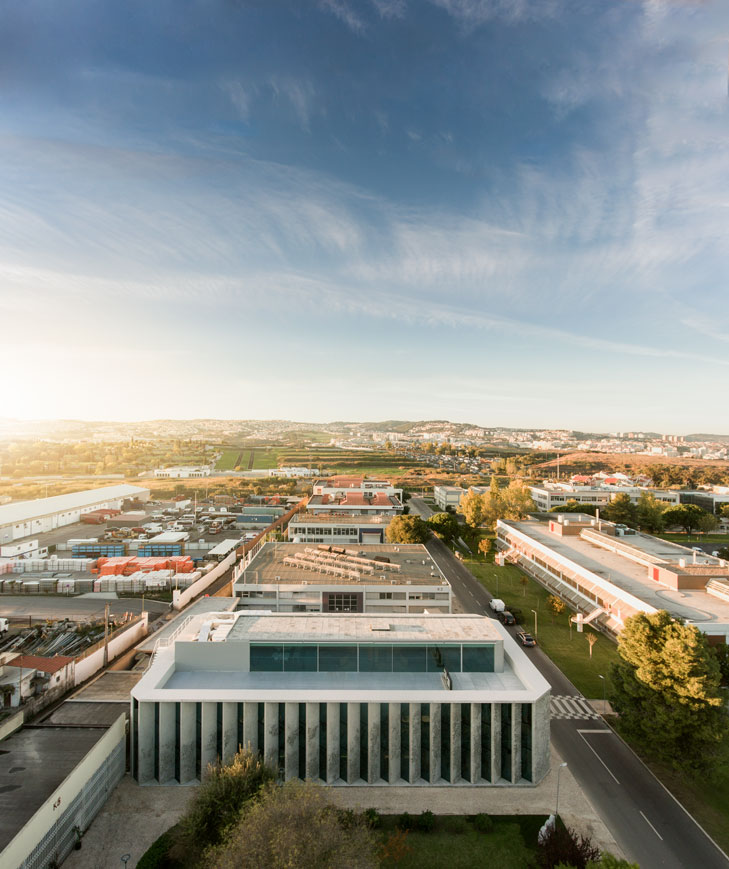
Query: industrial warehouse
x=355 y=699
x=293 y=577
x=23 y=518
x=608 y=572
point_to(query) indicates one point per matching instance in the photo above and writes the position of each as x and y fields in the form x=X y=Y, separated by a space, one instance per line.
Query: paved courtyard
x=135 y=816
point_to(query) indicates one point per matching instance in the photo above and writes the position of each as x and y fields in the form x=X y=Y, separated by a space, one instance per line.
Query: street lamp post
x=535 y=622
x=603 y=692
x=556 y=806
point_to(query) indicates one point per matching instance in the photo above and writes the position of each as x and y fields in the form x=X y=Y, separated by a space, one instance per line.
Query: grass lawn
x=228 y=460
x=571 y=655
x=455 y=844
x=696 y=538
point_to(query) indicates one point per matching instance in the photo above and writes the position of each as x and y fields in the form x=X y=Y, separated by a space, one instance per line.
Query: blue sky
x=510 y=212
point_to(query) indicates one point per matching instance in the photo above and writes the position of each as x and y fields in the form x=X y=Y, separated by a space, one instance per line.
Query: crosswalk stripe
x=572 y=707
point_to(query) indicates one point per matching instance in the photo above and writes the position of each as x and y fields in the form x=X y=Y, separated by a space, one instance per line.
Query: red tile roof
x=38 y=662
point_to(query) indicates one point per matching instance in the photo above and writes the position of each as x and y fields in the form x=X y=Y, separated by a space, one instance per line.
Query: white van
x=497 y=605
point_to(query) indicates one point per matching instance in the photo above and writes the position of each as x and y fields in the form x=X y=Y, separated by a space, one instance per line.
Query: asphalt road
x=78 y=608
x=648 y=823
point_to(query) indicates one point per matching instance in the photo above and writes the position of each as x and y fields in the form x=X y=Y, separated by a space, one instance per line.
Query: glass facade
x=486 y=741
x=370 y=658
x=343 y=741
x=425 y=741
x=364 y=741
x=405 y=741
x=385 y=741
x=302 y=740
x=445 y=741
x=466 y=741
x=526 y=741
x=323 y=741
x=506 y=741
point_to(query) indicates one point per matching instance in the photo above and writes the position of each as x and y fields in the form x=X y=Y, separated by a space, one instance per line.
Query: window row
x=371 y=658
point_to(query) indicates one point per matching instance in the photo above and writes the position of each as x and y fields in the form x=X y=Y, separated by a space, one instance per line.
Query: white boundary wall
x=181 y=599
x=120 y=642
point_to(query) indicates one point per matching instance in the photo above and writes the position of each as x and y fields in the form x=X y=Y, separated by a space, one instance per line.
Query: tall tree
x=649 y=513
x=292 y=825
x=472 y=507
x=407 y=529
x=621 y=510
x=686 y=516
x=665 y=689
x=445 y=525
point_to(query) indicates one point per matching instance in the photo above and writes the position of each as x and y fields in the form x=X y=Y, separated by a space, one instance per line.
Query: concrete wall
x=93 y=659
x=51 y=811
x=180 y=599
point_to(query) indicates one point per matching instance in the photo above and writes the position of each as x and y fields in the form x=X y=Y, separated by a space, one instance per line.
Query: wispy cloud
x=345 y=13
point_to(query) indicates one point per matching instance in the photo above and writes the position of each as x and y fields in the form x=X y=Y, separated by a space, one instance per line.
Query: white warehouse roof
x=22 y=511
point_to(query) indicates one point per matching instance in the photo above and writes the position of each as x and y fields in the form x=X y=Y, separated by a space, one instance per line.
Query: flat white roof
x=225 y=546
x=365 y=628
x=170 y=537
x=22 y=511
x=694 y=605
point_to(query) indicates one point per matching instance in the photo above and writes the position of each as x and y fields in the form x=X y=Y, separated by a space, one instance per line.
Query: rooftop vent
x=381 y=627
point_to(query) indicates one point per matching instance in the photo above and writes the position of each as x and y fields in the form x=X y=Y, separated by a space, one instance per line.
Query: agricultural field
x=229 y=460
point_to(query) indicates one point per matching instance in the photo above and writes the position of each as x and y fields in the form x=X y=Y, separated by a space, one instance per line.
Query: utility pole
x=106 y=635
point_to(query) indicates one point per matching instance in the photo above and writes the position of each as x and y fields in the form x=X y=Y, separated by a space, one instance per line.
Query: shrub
x=405 y=821
x=395 y=847
x=221 y=797
x=562 y=845
x=372 y=818
x=455 y=825
x=347 y=819
x=426 y=821
x=483 y=823
x=157 y=855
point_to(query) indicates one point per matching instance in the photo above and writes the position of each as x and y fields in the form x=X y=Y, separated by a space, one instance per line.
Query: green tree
x=220 y=798
x=707 y=523
x=407 y=529
x=573 y=506
x=472 y=507
x=665 y=688
x=445 y=525
x=608 y=861
x=484 y=546
x=292 y=825
x=725 y=511
x=649 y=513
x=516 y=501
x=686 y=516
x=621 y=510
x=556 y=605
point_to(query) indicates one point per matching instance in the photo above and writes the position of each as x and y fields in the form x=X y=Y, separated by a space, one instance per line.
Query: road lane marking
x=651 y=826
x=594 y=731
x=599 y=758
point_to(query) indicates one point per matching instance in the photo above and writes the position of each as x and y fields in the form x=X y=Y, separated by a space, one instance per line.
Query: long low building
x=346 y=700
x=23 y=518
x=551 y=495
x=356 y=504
x=607 y=572
x=296 y=577
x=337 y=529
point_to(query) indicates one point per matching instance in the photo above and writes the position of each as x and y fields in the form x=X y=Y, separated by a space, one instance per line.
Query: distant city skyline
x=510 y=213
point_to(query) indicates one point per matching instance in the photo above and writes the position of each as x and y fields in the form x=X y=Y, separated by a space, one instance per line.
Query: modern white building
x=607 y=572
x=550 y=495
x=182 y=473
x=337 y=528
x=343 y=484
x=297 y=577
x=448 y=496
x=23 y=518
x=346 y=700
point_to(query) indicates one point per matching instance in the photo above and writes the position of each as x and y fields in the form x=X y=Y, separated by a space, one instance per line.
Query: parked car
x=506 y=618
x=526 y=639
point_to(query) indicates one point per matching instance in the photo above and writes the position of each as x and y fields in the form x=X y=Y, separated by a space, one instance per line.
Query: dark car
x=526 y=639
x=506 y=618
